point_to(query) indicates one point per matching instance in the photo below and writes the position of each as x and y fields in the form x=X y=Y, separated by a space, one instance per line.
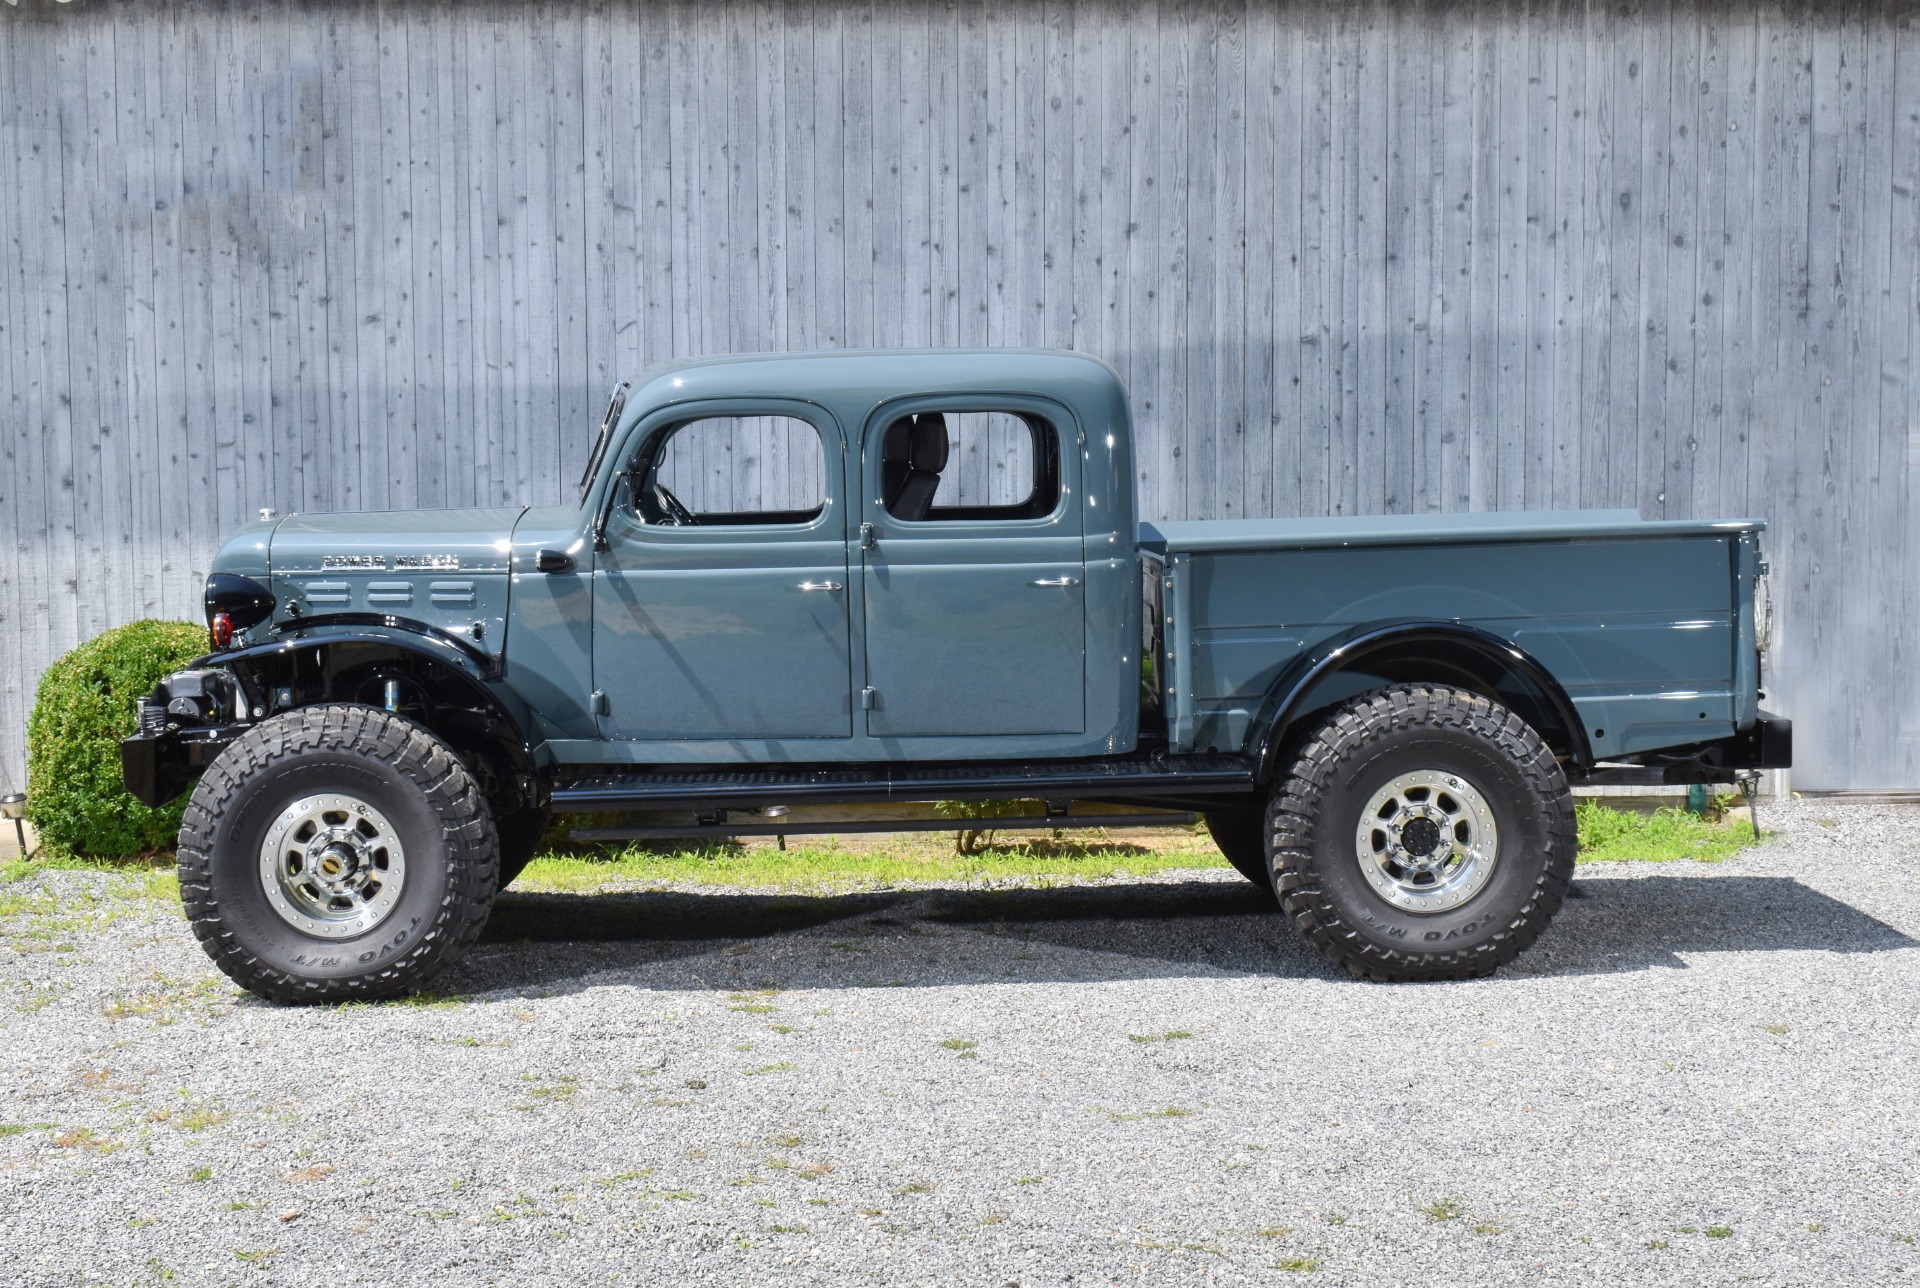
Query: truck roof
x=869 y=376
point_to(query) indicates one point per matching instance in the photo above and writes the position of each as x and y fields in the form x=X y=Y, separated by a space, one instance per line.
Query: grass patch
x=36 y=917
x=1610 y=835
x=757 y=1001
x=168 y=999
x=553 y=1089
x=1174 y=1035
x=1170 y=1111
x=830 y=865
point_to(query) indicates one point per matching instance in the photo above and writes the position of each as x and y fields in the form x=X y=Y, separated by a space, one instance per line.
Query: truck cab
x=952 y=572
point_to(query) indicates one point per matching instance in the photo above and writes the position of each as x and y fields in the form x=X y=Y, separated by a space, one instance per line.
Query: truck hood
x=395 y=541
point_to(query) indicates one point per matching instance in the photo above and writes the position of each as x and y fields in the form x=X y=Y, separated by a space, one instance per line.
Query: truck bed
x=1641 y=623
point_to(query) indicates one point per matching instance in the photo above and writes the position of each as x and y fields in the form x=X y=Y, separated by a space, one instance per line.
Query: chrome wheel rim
x=1427 y=841
x=332 y=865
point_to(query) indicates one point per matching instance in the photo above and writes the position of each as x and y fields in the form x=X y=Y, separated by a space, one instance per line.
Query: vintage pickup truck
x=935 y=588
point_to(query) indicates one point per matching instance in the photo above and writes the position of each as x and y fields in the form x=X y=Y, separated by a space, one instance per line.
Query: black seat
x=896 y=446
x=926 y=456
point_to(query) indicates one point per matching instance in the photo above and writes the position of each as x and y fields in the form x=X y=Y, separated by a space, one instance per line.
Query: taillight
x=221 y=626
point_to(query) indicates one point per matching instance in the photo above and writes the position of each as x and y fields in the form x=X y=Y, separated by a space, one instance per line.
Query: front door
x=721 y=604
x=973 y=570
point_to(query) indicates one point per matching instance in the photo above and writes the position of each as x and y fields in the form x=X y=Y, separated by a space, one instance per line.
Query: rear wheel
x=1241 y=835
x=336 y=852
x=1422 y=833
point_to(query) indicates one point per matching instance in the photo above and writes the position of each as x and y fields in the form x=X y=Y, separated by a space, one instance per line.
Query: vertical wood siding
x=1350 y=257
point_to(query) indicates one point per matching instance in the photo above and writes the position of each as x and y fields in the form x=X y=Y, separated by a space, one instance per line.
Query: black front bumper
x=158 y=767
x=1766 y=744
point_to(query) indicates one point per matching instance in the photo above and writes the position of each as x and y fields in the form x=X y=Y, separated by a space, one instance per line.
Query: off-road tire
x=1241 y=835
x=1316 y=808
x=520 y=834
x=437 y=810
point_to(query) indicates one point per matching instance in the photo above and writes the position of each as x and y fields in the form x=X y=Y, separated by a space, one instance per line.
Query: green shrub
x=84 y=707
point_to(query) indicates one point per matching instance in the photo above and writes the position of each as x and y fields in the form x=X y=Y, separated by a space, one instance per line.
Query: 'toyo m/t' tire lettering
x=1422 y=833
x=336 y=852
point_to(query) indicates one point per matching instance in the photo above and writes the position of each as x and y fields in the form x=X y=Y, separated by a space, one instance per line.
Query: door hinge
x=869 y=698
x=866 y=536
x=601 y=707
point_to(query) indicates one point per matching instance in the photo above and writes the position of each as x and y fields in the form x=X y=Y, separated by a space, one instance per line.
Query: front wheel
x=336 y=852
x=1422 y=833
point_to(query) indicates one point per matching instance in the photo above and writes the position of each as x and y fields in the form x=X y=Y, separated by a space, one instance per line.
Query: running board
x=1050 y=780
x=825 y=828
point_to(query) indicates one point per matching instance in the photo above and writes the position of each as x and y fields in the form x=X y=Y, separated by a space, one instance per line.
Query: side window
x=948 y=465
x=735 y=470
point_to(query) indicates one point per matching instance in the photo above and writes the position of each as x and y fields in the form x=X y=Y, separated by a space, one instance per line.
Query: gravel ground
x=1703 y=1074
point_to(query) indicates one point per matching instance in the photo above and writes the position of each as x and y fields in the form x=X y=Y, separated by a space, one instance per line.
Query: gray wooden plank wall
x=1351 y=257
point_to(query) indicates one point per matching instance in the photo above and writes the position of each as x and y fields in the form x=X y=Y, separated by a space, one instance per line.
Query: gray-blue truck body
x=588 y=654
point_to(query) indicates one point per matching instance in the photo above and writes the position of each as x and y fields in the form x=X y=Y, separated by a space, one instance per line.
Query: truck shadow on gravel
x=1130 y=931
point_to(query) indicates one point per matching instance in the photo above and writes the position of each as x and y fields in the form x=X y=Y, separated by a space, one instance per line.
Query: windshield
x=614 y=407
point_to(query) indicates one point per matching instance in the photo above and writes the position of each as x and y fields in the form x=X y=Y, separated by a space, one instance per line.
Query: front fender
x=478 y=670
x=321 y=660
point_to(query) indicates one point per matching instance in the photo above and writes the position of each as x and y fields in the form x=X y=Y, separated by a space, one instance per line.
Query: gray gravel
x=1704 y=1074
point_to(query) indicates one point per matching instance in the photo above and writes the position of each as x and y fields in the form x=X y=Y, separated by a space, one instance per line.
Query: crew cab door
x=720 y=603
x=973 y=570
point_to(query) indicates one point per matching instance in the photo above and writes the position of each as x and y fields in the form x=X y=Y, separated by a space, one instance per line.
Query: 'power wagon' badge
x=401 y=563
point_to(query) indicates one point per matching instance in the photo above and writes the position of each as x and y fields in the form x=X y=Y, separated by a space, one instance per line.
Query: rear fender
x=1436 y=652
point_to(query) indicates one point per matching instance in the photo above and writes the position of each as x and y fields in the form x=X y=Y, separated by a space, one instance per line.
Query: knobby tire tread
x=456 y=798
x=1296 y=814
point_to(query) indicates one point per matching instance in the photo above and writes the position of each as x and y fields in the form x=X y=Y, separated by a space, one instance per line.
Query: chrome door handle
x=1057 y=581
x=821 y=585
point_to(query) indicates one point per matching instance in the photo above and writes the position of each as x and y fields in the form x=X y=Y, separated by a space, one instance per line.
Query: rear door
x=975 y=609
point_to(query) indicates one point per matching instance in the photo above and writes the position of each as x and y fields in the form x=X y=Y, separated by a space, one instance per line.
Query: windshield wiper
x=614 y=409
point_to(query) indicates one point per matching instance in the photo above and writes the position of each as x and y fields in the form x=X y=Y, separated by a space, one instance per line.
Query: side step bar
x=1139 y=779
x=827 y=828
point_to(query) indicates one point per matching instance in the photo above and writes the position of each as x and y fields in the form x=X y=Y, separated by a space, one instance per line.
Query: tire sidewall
x=237 y=884
x=1519 y=812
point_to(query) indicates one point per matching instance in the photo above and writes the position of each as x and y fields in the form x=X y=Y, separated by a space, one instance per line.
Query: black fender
x=319 y=659
x=1403 y=646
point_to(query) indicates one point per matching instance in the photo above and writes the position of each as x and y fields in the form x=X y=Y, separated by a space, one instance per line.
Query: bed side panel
x=1639 y=631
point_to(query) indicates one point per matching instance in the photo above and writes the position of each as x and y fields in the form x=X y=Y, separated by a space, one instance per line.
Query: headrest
x=929 y=443
x=896 y=445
